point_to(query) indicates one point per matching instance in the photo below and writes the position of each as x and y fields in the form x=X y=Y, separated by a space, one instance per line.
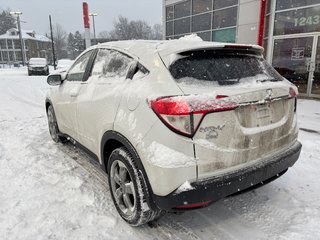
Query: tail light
x=293 y=94
x=183 y=114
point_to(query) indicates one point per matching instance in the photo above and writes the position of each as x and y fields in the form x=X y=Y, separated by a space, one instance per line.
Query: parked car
x=38 y=66
x=176 y=124
x=64 y=63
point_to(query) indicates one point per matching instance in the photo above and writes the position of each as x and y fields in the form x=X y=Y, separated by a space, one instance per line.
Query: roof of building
x=13 y=33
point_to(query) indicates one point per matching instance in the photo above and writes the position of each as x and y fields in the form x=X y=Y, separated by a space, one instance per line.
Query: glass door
x=292 y=58
x=315 y=68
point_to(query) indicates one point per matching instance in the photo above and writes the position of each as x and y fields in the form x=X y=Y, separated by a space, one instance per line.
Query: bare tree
x=60 y=41
x=156 y=33
x=104 y=34
x=6 y=21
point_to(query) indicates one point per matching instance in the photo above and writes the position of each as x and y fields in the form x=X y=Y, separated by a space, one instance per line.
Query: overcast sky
x=69 y=12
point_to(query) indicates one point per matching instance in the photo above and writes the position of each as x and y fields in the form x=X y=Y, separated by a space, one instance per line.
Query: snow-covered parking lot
x=54 y=191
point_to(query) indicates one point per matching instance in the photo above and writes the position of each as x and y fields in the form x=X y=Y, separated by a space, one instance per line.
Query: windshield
x=222 y=68
x=38 y=61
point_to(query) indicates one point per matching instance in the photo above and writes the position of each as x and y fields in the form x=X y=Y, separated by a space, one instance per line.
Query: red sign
x=86 y=15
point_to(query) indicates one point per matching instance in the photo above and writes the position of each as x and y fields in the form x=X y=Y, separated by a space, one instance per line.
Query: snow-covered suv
x=176 y=124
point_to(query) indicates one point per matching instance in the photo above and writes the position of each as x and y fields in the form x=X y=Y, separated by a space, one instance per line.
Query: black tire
x=128 y=189
x=53 y=126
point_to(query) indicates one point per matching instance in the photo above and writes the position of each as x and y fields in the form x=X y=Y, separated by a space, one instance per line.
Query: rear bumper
x=213 y=189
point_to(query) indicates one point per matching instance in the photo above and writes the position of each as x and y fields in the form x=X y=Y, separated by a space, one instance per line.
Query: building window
x=182 y=9
x=18 y=56
x=16 y=44
x=3 y=44
x=10 y=45
x=225 y=18
x=205 y=36
x=169 y=28
x=182 y=26
x=169 y=13
x=201 y=17
x=287 y=4
x=201 y=6
x=201 y=22
x=217 y=4
x=224 y=35
x=297 y=21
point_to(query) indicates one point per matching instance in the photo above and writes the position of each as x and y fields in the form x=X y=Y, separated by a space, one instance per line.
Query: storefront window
x=169 y=13
x=169 y=28
x=287 y=4
x=205 y=36
x=225 y=35
x=225 y=18
x=182 y=26
x=201 y=22
x=217 y=4
x=268 y=6
x=266 y=26
x=291 y=58
x=200 y=6
x=182 y=9
x=297 y=21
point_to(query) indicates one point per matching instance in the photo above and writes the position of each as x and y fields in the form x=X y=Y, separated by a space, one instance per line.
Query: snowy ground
x=54 y=191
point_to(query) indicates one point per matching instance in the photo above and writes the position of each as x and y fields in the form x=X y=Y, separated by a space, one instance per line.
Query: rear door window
x=221 y=68
x=110 y=65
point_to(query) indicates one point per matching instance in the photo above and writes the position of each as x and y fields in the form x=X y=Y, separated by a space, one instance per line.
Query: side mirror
x=54 y=80
x=132 y=70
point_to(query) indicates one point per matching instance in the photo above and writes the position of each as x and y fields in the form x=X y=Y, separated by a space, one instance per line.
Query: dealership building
x=289 y=30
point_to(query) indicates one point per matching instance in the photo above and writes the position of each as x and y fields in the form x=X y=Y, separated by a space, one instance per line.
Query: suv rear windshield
x=222 y=68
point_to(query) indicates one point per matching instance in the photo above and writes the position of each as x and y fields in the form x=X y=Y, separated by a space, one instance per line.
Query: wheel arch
x=47 y=104
x=112 y=140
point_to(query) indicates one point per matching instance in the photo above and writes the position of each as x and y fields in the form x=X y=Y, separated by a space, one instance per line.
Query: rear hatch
x=256 y=114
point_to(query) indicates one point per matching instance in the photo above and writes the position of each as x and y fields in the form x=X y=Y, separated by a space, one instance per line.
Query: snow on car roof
x=148 y=51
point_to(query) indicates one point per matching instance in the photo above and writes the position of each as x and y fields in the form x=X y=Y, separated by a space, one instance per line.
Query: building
x=289 y=30
x=34 y=45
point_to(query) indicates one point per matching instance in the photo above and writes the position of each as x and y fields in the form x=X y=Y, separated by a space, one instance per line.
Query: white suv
x=176 y=124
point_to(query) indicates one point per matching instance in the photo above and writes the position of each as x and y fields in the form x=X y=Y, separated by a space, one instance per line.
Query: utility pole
x=94 y=26
x=20 y=35
x=52 y=45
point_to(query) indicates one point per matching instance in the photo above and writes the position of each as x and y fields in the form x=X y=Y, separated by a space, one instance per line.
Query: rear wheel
x=53 y=126
x=127 y=187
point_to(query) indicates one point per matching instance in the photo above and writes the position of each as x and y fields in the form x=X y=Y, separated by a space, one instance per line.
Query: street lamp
x=17 y=14
x=94 y=26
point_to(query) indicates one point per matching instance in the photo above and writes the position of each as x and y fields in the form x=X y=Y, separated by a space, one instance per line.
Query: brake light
x=183 y=114
x=293 y=92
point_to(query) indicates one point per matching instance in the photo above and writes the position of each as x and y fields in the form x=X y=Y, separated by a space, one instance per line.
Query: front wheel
x=53 y=126
x=127 y=187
